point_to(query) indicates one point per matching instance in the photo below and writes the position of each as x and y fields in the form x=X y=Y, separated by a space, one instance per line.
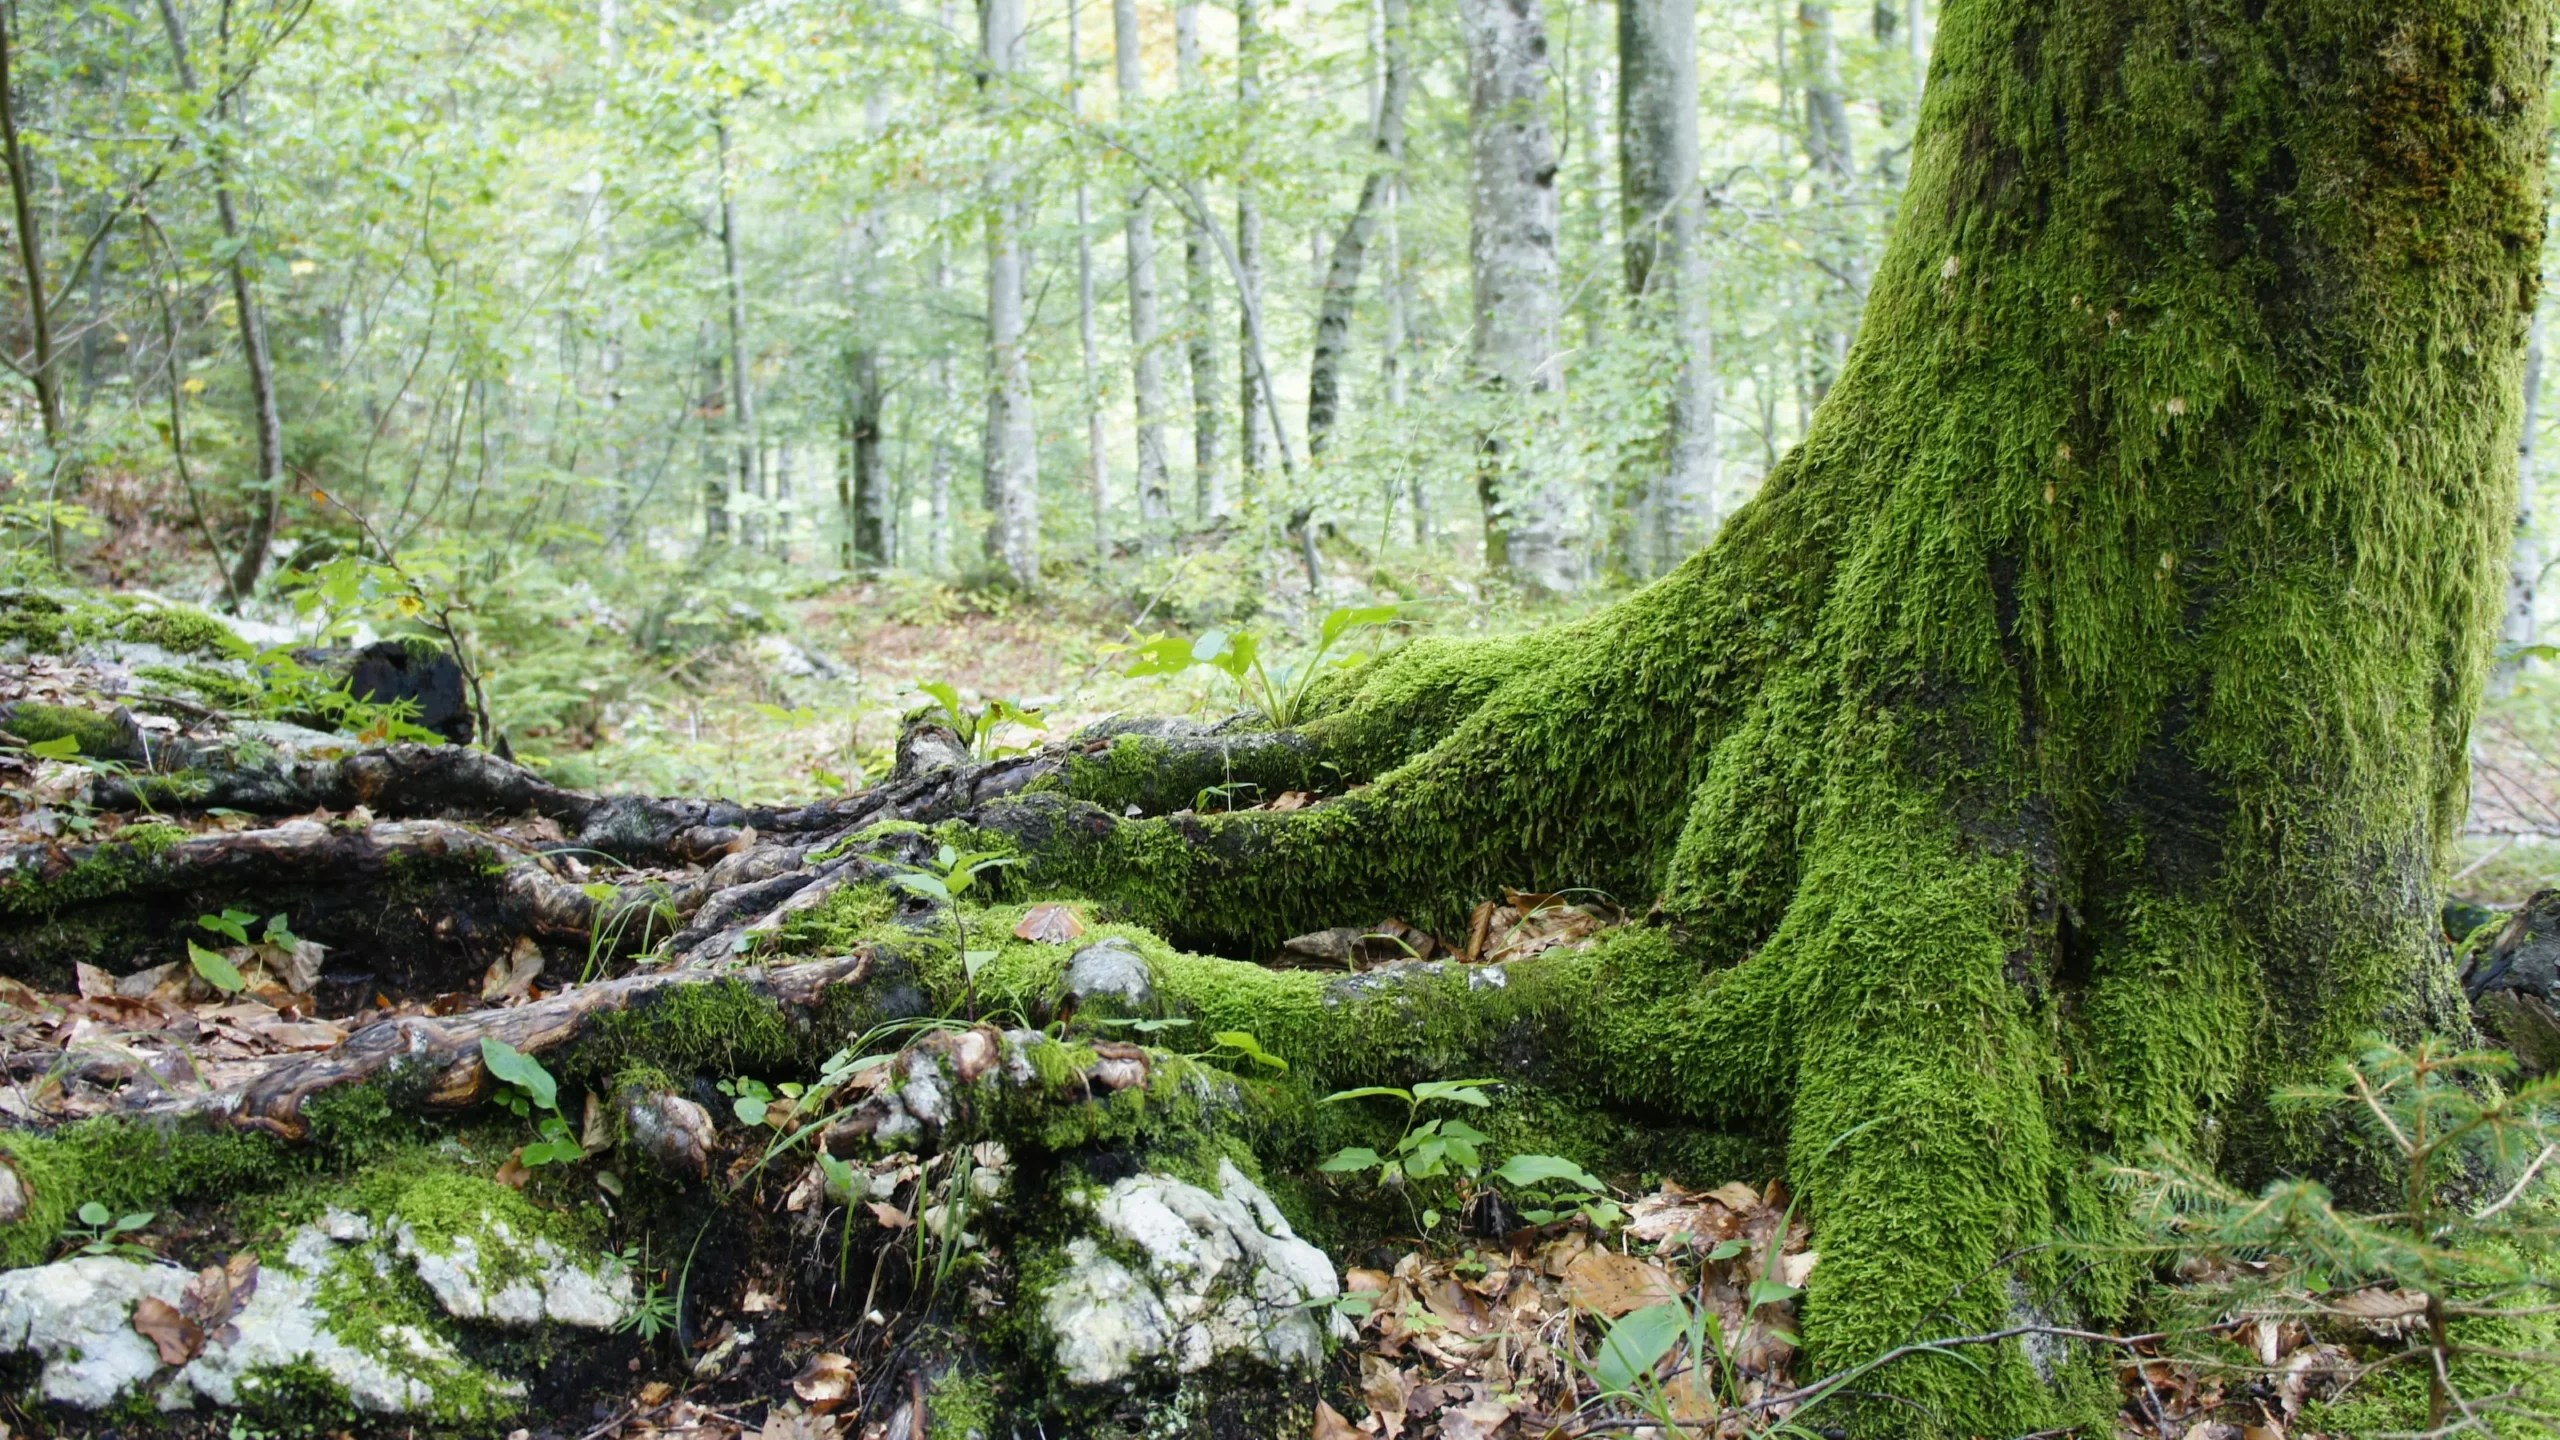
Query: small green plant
x=2451 y=1271
x=1280 y=693
x=979 y=728
x=528 y=1091
x=1426 y=1149
x=654 y=1313
x=752 y=1100
x=102 y=1232
x=1555 y=1188
x=1236 y=1044
x=947 y=875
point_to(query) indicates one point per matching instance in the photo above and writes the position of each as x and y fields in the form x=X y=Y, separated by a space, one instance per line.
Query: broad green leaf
x=1357 y=1157
x=1348 y=618
x=230 y=923
x=218 y=972
x=1465 y=1092
x=1244 y=1041
x=974 y=961
x=1726 y=1250
x=1771 y=1292
x=516 y=1068
x=1526 y=1170
x=95 y=1215
x=749 y=1109
x=1365 y=1091
x=917 y=882
x=1637 y=1343
x=60 y=747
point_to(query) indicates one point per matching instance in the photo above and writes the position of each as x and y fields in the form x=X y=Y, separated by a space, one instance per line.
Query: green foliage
x=1283 y=695
x=980 y=728
x=102 y=1232
x=528 y=1091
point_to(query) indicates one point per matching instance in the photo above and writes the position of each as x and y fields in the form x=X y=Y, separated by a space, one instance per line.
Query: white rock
x=1224 y=1275
x=548 y=1284
x=78 y=1315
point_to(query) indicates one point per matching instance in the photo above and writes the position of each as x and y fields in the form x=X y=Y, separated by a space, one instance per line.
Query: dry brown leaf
x=1608 y=1283
x=513 y=1174
x=1291 y=800
x=1049 y=923
x=1735 y=1195
x=217 y=1294
x=656 y=1392
x=176 y=1337
x=95 y=984
x=1476 y=1420
x=825 y=1382
x=1388 y=1390
x=1331 y=1426
x=890 y=1215
x=512 y=978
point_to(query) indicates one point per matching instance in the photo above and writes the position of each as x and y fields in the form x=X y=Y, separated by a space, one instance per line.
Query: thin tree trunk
x=1253 y=435
x=1208 y=397
x=270 y=487
x=1342 y=275
x=1013 y=458
x=1827 y=146
x=742 y=411
x=715 y=466
x=1666 y=274
x=2524 y=559
x=1097 y=466
x=1511 y=245
x=1146 y=324
x=47 y=380
x=870 y=486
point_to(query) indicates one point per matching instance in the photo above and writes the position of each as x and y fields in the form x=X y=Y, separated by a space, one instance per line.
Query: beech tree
x=2054 y=760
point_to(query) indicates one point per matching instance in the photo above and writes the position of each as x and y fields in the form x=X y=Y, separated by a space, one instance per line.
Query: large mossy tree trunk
x=2051 y=763
x=2056 y=756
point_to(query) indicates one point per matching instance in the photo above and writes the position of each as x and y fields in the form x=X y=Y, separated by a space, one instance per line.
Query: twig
x=2503 y=1201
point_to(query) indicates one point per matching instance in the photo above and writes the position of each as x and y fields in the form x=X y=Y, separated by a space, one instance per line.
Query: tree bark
x=1350 y=250
x=1511 y=253
x=1208 y=398
x=1829 y=150
x=742 y=401
x=1254 y=438
x=1666 y=272
x=270 y=486
x=44 y=375
x=870 y=515
x=1146 y=324
x=1013 y=456
x=2524 y=560
x=1097 y=467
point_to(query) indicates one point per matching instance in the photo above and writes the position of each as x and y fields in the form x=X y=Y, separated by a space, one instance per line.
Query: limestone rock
x=498 y=1276
x=1110 y=970
x=77 y=1316
x=1218 y=1275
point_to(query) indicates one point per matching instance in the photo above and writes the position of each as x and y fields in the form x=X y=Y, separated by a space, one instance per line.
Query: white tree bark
x=1199 y=263
x=1146 y=321
x=1351 y=248
x=1097 y=470
x=742 y=399
x=1253 y=435
x=1666 y=271
x=1012 y=443
x=1511 y=253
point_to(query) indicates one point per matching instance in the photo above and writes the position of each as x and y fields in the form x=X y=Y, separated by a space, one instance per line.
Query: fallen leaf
x=95 y=984
x=825 y=1381
x=175 y=1336
x=513 y=977
x=1736 y=1196
x=1608 y=1283
x=890 y=1215
x=1387 y=1389
x=514 y=1173
x=1331 y=1426
x=656 y=1392
x=1478 y=1419
x=1049 y=923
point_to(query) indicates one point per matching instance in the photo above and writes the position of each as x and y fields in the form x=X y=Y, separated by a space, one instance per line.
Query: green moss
x=295 y=1399
x=964 y=1406
x=110 y=868
x=56 y=625
x=127 y=1166
x=96 y=734
x=185 y=630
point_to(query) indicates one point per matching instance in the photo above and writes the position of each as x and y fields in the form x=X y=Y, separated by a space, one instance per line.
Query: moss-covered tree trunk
x=2053 y=761
x=2057 y=755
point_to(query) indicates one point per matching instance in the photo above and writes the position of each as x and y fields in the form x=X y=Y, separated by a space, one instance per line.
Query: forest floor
x=803 y=698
